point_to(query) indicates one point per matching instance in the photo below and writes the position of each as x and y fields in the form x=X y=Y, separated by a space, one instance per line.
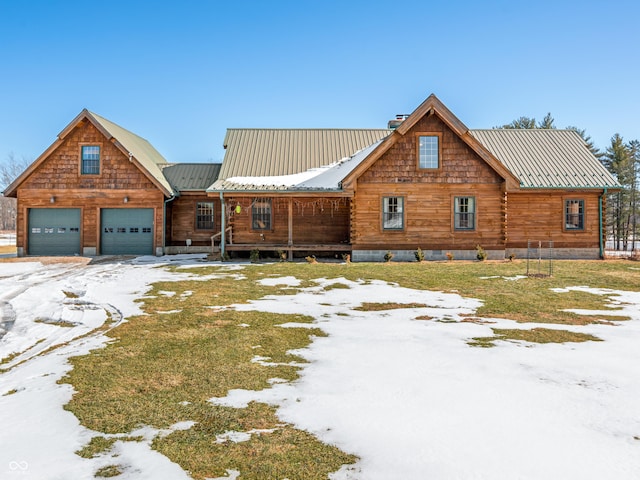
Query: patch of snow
x=238 y=437
x=231 y=475
x=274 y=282
x=413 y=400
x=40 y=435
x=514 y=278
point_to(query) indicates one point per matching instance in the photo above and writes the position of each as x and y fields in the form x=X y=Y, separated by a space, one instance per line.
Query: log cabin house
x=426 y=181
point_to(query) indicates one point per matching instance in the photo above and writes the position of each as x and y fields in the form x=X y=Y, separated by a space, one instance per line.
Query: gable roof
x=433 y=106
x=274 y=152
x=139 y=151
x=547 y=158
x=191 y=176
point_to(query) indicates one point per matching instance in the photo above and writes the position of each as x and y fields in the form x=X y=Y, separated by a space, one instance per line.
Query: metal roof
x=325 y=178
x=191 y=176
x=140 y=148
x=546 y=158
x=273 y=152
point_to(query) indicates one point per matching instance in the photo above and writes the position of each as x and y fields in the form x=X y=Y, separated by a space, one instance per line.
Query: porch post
x=290 y=238
x=223 y=240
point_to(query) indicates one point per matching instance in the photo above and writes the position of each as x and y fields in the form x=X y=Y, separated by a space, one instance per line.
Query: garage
x=126 y=231
x=54 y=231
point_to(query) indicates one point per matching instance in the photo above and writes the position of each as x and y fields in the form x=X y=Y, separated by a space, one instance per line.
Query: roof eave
x=283 y=192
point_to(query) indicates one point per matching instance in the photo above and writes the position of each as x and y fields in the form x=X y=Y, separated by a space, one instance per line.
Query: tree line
x=622 y=159
x=10 y=168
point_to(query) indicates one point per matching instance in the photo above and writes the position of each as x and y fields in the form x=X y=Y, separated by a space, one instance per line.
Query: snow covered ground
x=7 y=239
x=408 y=396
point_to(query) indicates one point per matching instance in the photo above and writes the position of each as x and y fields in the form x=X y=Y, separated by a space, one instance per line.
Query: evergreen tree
x=619 y=162
x=547 y=122
x=587 y=139
x=634 y=152
x=522 y=122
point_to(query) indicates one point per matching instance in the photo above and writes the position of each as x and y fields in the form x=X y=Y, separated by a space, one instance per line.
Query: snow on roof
x=327 y=177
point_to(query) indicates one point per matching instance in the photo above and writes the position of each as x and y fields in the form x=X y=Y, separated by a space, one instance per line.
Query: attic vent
x=395 y=123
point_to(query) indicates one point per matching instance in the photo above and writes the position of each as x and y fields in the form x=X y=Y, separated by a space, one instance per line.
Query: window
x=464 y=213
x=574 y=214
x=428 y=151
x=204 y=216
x=90 y=164
x=393 y=213
x=261 y=214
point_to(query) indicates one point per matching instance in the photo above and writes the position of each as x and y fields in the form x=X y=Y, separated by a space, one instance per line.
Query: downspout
x=223 y=226
x=164 y=222
x=600 y=222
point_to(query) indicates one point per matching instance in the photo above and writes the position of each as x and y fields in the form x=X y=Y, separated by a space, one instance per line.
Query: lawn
x=164 y=367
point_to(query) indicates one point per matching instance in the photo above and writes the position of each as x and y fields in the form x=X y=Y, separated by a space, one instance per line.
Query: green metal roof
x=252 y=152
x=141 y=149
x=191 y=176
x=546 y=158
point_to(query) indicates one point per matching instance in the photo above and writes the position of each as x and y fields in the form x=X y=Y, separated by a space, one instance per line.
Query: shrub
x=388 y=256
x=480 y=253
x=419 y=254
x=254 y=256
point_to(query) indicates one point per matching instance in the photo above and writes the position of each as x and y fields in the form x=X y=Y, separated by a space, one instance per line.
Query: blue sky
x=180 y=73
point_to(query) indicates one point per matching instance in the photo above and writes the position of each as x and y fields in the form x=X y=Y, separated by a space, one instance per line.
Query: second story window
x=90 y=160
x=428 y=151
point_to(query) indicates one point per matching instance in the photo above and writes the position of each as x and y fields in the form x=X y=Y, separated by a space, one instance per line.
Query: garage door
x=126 y=231
x=54 y=231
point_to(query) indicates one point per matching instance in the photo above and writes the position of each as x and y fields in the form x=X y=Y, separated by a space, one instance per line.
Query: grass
x=535 y=335
x=97 y=445
x=58 y=323
x=109 y=471
x=378 y=307
x=163 y=368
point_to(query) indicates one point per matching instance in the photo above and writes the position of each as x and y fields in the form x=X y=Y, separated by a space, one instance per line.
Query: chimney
x=395 y=123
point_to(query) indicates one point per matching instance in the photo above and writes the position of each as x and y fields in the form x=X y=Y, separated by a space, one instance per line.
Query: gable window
x=428 y=151
x=90 y=160
x=574 y=214
x=204 y=216
x=464 y=213
x=261 y=214
x=393 y=213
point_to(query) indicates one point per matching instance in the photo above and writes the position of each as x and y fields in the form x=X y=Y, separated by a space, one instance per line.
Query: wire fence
x=540 y=258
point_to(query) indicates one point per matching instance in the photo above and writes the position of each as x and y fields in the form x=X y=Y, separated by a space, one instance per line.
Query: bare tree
x=10 y=168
